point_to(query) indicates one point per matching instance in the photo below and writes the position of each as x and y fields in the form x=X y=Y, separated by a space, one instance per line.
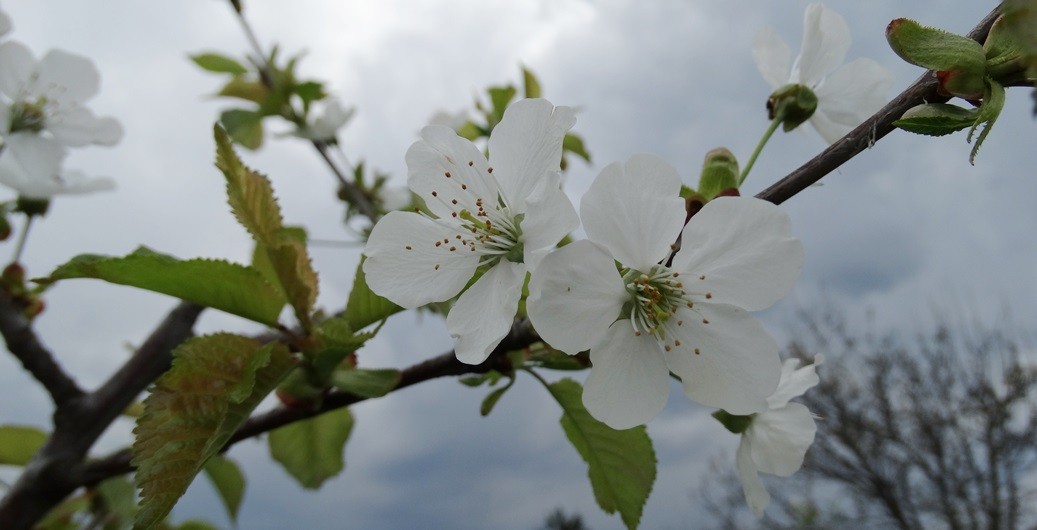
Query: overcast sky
x=904 y=227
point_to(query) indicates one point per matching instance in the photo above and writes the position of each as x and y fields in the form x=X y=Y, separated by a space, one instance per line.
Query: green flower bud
x=31 y=207
x=735 y=424
x=792 y=104
x=719 y=172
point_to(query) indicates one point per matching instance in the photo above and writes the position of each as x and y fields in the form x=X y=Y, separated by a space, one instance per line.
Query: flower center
x=656 y=299
x=486 y=225
x=28 y=116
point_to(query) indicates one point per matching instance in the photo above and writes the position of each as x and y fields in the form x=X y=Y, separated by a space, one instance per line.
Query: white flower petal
x=31 y=164
x=5 y=24
x=66 y=78
x=773 y=57
x=726 y=359
x=78 y=183
x=441 y=152
x=635 y=210
x=549 y=217
x=826 y=39
x=424 y=272
x=794 y=382
x=16 y=67
x=628 y=382
x=756 y=495
x=575 y=294
x=743 y=247
x=484 y=313
x=77 y=126
x=780 y=439
x=526 y=144
x=849 y=96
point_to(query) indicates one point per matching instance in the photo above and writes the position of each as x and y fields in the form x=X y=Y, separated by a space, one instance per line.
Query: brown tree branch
x=25 y=346
x=923 y=90
x=79 y=421
x=521 y=336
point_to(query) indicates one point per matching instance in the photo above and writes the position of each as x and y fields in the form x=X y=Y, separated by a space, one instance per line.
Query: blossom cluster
x=42 y=114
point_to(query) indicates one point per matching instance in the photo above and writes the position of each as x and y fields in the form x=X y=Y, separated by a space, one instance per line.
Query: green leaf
x=244 y=126
x=366 y=383
x=246 y=89
x=214 y=384
x=252 y=200
x=364 y=307
x=249 y=193
x=214 y=62
x=311 y=450
x=1020 y=17
x=493 y=397
x=195 y=524
x=499 y=98
x=553 y=359
x=310 y=91
x=229 y=287
x=936 y=119
x=574 y=144
x=961 y=60
x=295 y=272
x=621 y=463
x=531 y=86
x=993 y=103
x=120 y=499
x=18 y=444
x=229 y=482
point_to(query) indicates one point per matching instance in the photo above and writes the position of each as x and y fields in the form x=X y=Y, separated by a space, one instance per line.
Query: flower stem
x=759 y=147
x=22 y=238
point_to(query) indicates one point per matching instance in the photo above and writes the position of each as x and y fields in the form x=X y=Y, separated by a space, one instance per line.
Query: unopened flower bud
x=719 y=172
x=735 y=424
x=32 y=207
x=959 y=62
x=792 y=104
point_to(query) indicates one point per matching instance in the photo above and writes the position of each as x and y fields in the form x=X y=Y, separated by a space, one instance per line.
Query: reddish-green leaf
x=214 y=384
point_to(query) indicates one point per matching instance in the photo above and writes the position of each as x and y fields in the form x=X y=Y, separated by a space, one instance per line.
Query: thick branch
x=923 y=90
x=79 y=421
x=25 y=346
x=443 y=365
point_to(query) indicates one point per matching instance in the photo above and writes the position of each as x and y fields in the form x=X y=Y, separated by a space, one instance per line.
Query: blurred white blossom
x=778 y=438
x=847 y=94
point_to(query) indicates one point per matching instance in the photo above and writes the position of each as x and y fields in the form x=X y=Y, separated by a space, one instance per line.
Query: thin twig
x=355 y=195
x=923 y=90
x=444 y=365
x=37 y=359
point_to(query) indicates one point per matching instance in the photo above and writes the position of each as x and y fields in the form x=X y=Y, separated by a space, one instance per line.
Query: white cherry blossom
x=331 y=116
x=777 y=439
x=642 y=319
x=46 y=97
x=500 y=215
x=847 y=94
